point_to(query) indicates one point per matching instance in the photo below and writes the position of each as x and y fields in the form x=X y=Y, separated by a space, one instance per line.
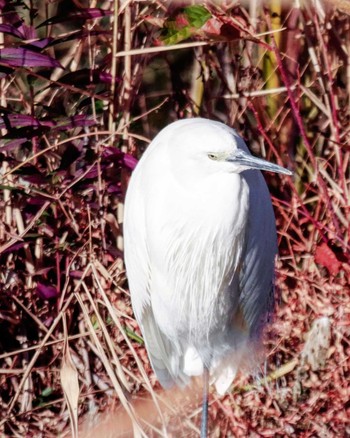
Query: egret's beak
x=250 y=162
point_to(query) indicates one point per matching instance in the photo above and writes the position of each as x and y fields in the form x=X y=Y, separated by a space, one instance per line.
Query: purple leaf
x=76 y=274
x=19 y=57
x=86 y=76
x=48 y=321
x=12 y=144
x=11 y=30
x=114 y=251
x=30 y=173
x=14 y=248
x=39 y=200
x=46 y=292
x=114 y=154
x=10 y=121
x=44 y=271
x=14 y=120
x=130 y=161
x=40 y=44
x=80 y=120
x=82 y=14
x=29 y=32
x=106 y=77
x=23 y=31
x=114 y=188
x=92 y=173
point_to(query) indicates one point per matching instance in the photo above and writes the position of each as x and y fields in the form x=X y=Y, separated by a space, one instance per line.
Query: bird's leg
x=204 y=421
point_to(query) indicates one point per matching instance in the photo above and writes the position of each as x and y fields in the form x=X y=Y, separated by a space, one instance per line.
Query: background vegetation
x=84 y=86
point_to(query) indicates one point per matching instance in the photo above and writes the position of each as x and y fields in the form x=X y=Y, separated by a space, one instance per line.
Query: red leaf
x=325 y=257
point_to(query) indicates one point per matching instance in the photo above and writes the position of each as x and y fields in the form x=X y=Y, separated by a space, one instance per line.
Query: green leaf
x=132 y=335
x=46 y=392
x=176 y=36
x=197 y=15
x=185 y=24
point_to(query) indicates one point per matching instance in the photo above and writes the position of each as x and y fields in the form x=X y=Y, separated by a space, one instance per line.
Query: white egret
x=200 y=244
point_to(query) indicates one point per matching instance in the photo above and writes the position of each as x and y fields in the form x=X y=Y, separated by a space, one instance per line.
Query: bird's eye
x=212 y=156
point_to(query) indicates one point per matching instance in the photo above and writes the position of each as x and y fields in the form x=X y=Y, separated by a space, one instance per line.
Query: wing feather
x=257 y=273
x=166 y=363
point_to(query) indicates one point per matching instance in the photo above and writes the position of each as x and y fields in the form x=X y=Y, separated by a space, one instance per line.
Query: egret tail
x=204 y=420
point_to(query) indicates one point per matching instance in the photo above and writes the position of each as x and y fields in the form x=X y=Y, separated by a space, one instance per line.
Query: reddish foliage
x=69 y=140
x=326 y=258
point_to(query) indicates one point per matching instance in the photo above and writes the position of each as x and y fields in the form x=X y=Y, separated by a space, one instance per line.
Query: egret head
x=212 y=147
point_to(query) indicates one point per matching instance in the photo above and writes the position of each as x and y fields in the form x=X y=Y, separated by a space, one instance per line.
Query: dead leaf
x=317 y=345
x=70 y=386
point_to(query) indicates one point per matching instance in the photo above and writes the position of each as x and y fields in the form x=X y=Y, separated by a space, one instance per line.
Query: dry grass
x=71 y=355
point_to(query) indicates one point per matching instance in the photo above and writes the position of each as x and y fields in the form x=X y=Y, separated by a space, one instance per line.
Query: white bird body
x=200 y=243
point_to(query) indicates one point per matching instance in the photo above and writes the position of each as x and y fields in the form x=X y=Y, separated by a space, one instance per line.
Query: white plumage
x=200 y=243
